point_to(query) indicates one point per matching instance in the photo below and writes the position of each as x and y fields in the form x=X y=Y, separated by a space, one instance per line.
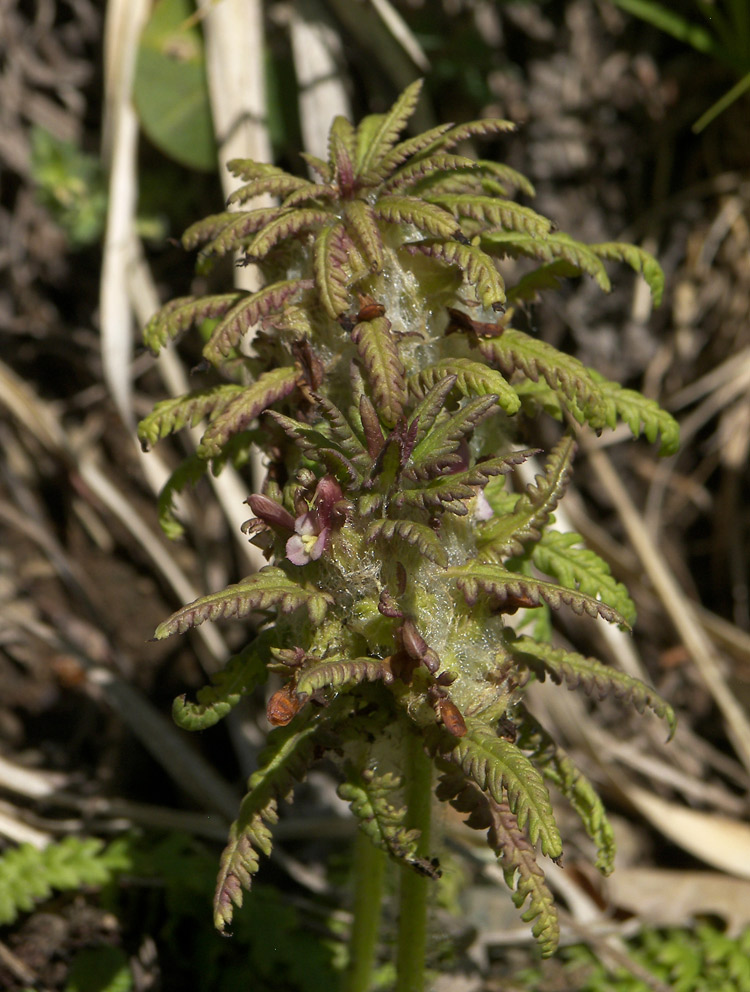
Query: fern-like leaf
x=500 y=585
x=238 y=678
x=29 y=876
x=557 y=768
x=248 y=169
x=187 y=473
x=268 y=589
x=508 y=532
x=439 y=446
x=378 y=133
x=561 y=556
x=639 y=260
x=232 y=235
x=571 y=380
x=472 y=379
x=185 y=411
x=286 y=759
x=245 y=407
x=500 y=769
x=330 y=259
x=524 y=877
x=493 y=212
x=342 y=432
x=341 y=673
x=278 y=183
x=417 y=535
x=426 y=413
x=428 y=217
x=515 y=854
x=383 y=367
x=228 y=332
x=457 y=133
x=415 y=172
x=642 y=415
x=554 y=245
x=370 y=797
x=285 y=225
x=411 y=147
x=477 y=266
x=361 y=218
x=596 y=679
x=183 y=313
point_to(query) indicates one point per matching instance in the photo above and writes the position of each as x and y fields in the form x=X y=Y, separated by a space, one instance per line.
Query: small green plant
x=704 y=959
x=389 y=376
x=70 y=185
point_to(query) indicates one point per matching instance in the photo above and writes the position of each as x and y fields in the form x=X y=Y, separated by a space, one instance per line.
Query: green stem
x=412 y=921
x=369 y=864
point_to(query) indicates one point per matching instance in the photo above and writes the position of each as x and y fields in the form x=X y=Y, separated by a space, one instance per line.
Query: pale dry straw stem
x=318 y=61
x=124 y=22
x=230 y=490
x=381 y=35
x=235 y=59
x=35 y=416
x=678 y=607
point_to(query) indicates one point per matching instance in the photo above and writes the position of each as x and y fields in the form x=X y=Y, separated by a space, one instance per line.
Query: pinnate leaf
x=238 y=678
x=557 y=767
x=642 y=415
x=555 y=245
x=378 y=133
x=338 y=673
x=575 y=567
x=362 y=220
x=500 y=585
x=377 y=802
x=501 y=770
x=290 y=751
x=494 y=212
x=383 y=367
x=288 y=223
x=183 y=313
x=471 y=378
x=331 y=260
x=639 y=260
x=245 y=407
x=443 y=440
x=596 y=679
x=477 y=266
x=523 y=876
x=248 y=311
x=270 y=588
x=418 y=535
x=427 y=217
x=185 y=411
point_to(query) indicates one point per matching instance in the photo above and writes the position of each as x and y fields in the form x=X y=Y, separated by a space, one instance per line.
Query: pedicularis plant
x=387 y=376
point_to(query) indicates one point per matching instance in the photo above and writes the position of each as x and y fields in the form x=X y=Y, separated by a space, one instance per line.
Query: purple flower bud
x=270 y=512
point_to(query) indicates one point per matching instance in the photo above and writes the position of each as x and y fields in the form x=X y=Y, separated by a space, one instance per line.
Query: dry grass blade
x=318 y=61
x=678 y=607
x=125 y=20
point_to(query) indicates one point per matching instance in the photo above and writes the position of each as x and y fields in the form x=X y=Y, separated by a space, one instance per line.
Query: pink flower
x=308 y=541
x=313 y=528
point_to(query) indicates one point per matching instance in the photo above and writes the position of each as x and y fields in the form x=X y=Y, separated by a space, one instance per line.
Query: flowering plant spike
x=387 y=376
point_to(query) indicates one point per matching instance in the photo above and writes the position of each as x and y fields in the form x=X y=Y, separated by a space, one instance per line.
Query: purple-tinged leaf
x=383 y=368
x=268 y=589
x=183 y=313
x=229 y=331
x=270 y=387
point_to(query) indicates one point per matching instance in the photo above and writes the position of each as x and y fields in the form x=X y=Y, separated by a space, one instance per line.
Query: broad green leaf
x=170 y=90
